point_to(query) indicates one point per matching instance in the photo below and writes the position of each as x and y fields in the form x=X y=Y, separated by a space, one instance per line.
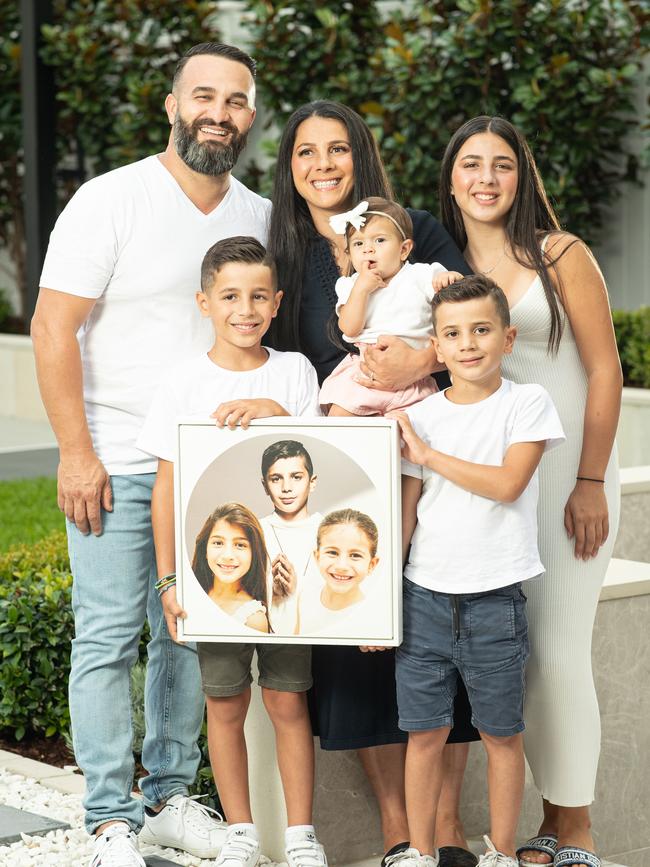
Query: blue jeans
x=112 y=594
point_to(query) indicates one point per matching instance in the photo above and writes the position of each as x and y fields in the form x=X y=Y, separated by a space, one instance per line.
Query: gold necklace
x=496 y=264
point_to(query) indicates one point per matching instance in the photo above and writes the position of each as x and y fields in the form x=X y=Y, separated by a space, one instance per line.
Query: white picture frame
x=356 y=463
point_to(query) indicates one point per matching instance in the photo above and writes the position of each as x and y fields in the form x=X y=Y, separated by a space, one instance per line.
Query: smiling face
x=380 y=244
x=241 y=303
x=471 y=340
x=211 y=110
x=321 y=165
x=484 y=179
x=228 y=552
x=344 y=557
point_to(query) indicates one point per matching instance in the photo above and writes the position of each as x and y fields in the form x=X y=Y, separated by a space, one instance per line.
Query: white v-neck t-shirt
x=132 y=240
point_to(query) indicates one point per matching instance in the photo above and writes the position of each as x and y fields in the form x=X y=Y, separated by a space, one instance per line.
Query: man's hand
x=172 y=610
x=234 y=412
x=391 y=364
x=414 y=449
x=284 y=575
x=83 y=490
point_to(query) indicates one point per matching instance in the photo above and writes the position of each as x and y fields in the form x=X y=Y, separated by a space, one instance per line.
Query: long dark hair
x=292 y=228
x=254 y=581
x=531 y=216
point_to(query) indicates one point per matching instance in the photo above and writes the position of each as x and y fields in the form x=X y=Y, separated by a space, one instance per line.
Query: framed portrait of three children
x=289 y=531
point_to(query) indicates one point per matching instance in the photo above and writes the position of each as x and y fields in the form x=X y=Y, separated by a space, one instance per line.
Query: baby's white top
x=402 y=308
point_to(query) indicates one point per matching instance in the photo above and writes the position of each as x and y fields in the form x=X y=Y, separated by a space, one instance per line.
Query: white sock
x=294 y=831
x=247 y=827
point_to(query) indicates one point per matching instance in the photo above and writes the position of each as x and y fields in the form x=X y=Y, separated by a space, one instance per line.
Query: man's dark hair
x=286 y=449
x=218 y=49
x=474 y=286
x=240 y=248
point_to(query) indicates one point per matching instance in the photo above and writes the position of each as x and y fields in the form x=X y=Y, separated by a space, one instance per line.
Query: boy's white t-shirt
x=297 y=540
x=402 y=308
x=132 y=240
x=463 y=542
x=198 y=386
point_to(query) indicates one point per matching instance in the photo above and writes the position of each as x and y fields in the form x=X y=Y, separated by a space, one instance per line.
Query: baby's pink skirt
x=341 y=389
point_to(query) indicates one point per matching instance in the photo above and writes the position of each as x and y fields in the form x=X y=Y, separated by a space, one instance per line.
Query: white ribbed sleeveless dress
x=562 y=737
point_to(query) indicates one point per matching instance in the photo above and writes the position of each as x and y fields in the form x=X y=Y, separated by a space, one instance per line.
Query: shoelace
x=492 y=858
x=199 y=815
x=237 y=850
x=117 y=850
x=306 y=853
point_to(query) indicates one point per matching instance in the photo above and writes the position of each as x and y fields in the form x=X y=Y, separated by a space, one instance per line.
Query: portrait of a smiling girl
x=230 y=562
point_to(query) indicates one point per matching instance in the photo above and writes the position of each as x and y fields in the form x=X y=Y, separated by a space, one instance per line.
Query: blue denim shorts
x=484 y=637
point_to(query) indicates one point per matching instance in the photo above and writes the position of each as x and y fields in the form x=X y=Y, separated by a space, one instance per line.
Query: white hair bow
x=339 y=222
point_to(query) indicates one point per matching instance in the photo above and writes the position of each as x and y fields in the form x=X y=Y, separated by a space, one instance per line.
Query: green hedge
x=633 y=338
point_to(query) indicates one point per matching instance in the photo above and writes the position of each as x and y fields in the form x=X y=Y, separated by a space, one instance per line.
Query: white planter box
x=19 y=395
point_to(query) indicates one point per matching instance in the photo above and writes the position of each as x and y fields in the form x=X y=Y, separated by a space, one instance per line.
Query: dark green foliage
x=633 y=338
x=563 y=72
x=35 y=632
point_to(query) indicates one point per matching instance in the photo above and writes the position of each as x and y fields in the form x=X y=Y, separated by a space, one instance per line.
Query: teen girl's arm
x=162 y=519
x=504 y=484
x=258 y=621
x=352 y=314
x=584 y=297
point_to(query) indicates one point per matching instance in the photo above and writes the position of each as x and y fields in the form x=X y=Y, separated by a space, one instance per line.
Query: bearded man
x=116 y=309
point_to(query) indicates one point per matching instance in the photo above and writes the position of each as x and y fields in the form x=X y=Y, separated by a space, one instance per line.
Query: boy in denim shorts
x=469 y=503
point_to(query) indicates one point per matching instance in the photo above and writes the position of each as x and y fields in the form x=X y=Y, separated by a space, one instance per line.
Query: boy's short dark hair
x=241 y=248
x=285 y=449
x=217 y=49
x=473 y=286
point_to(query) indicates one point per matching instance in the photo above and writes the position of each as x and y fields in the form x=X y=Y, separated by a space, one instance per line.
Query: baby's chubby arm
x=504 y=484
x=445 y=278
x=352 y=315
x=234 y=412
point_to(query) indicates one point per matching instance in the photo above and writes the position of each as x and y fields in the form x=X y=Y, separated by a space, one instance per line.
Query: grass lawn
x=28 y=511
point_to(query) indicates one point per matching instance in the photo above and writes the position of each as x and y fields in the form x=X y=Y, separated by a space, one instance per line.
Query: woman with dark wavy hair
x=328 y=161
x=495 y=207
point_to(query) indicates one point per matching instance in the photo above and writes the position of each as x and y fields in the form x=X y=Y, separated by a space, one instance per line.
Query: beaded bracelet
x=163 y=584
x=587 y=479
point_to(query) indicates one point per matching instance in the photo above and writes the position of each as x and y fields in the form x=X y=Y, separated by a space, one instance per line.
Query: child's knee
x=514 y=743
x=433 y=740
x=228 y=710
x=285 y=708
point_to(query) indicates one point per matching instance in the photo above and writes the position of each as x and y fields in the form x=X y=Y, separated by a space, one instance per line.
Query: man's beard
x=207 y=157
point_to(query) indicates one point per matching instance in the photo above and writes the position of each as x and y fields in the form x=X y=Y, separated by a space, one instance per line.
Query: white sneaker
x=185 y=824
x=304 y=850
x=412 y=858
x=492 y=858
x=240 y=849
x=117 y=847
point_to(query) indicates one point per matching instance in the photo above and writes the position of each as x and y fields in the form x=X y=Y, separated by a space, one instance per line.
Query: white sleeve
x=409 y=469
x=83 y=246
x=537 y=419
x=343 y=288
x=308 y=403
x=158 y=434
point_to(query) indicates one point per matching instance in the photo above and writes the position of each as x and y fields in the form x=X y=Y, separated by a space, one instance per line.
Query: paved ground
x=27 y=449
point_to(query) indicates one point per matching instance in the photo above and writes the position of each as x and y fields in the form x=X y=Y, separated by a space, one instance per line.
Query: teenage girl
x=230 y=562
x=385 y=295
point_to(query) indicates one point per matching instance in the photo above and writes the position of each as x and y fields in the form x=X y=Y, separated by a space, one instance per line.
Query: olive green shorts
x=226 y=668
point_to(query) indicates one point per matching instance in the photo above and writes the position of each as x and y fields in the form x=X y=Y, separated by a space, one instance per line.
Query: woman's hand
x=172 y=610
x=371 y=648
x=391 y=364
x=586 y=518
x=234 y=412
x=284 y=575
